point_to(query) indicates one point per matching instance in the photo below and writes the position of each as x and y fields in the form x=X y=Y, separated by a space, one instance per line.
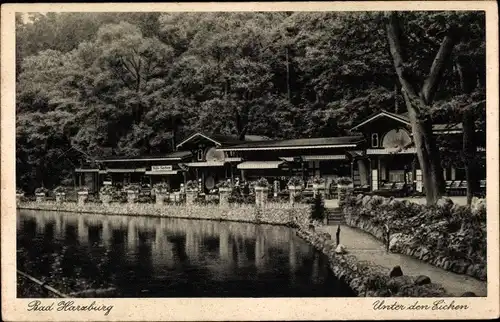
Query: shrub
x=41 y=190
x=107 y=190
x=19 y=191
x=161 y=187
x=82 y=189
x=318 y=208
x=344 y=181
x=144 y=199
x=241 y=199
x=225 y=184
x=132 y=187
x=318 y=180
x=192 y=185
x=296 y=182
x=304 y=199
x=60 y=189
x=262 y=183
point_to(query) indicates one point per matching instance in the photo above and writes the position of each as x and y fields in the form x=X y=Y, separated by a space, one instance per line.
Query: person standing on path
x=337 y=235
x=387 y=236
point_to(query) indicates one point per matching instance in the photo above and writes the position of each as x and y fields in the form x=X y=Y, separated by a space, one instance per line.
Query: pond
x=166 y=257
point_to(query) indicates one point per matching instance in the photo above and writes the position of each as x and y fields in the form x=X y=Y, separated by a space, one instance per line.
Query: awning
x=86 y=170
x=260 y=165
x=235 y=159
x=316 y=157
x=391 y=151
x=126 y=170
x=162 y=173
x=324 y=157
x=205 y=164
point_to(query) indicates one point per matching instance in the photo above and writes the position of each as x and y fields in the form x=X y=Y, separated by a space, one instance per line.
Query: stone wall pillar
x=60 y=197
x=105 y=198
x=261 y=196
x=191 y=196
x=318 y=189
x=294 y=191
x=82 y=197
x=160 y=197
x=224 y=194
x=343 y=191
x=19 y=196
x=40 y=197
x=132 y=196
x=419 y=181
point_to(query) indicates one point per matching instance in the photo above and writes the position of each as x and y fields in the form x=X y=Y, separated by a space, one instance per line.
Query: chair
x=454 y=187
x=462 y=187
x=399 y=189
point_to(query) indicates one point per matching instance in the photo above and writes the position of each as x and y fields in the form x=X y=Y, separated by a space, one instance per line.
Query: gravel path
x=366 y=248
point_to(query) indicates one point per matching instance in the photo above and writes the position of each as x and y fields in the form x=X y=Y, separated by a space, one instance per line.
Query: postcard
x=250 y=161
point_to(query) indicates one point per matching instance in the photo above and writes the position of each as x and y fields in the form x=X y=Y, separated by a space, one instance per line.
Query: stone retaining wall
x=366 y=279
x=276 y=214
x=405 y=243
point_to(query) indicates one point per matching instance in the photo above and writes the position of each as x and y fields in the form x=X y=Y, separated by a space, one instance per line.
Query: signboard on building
x=155 y=168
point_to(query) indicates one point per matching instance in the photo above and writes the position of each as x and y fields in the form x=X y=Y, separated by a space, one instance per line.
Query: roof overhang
x=197 y=135
x=205 y=164
x=248 y=165
x=379 y=115
x=316 y=157
x=289 y=147
x=162 y=173
x=146 y=159
x=86 y=170
x=125 y=170
x=386 y=151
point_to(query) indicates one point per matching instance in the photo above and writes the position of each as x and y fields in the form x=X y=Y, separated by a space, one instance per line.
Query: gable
x=384 y=115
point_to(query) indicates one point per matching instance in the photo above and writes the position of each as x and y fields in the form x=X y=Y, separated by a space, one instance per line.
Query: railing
x=28 y=286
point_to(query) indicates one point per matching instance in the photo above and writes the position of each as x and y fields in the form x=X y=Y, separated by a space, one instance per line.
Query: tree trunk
x=288 y=89
x=468 y=81
x=417 y=104
x=469 y=151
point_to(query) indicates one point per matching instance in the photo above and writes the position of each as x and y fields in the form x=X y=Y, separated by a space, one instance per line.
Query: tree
x=418 y=102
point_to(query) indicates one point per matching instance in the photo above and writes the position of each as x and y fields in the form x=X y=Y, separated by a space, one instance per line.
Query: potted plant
x=132 y=192
x=343 y=184
x=191 y=191
x=225 y=190
x=60 y=193
x=318 y=182
x=161 y=190
x=83 y=194
x=261 y=187
x=106 y=194
x=295 y=185
x=19 y=195
x=41 y=193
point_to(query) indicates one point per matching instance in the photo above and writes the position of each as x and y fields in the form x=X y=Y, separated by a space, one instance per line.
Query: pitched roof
x=221 y=140
x=404 y=118
x=398 y=117
x=172 y=156
x=329 y=142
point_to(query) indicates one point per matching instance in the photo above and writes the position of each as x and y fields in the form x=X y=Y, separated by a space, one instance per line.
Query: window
x=200 y=154
x=375 y=140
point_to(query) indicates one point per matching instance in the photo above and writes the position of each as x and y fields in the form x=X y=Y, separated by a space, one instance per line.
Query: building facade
x=378 y=155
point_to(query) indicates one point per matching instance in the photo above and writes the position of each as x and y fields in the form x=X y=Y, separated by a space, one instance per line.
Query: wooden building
x=380 y=153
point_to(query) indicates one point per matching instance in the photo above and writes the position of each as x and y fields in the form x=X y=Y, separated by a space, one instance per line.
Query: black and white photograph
x=251 y=154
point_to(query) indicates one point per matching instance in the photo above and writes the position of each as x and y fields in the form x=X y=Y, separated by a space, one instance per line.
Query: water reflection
x=166 y=257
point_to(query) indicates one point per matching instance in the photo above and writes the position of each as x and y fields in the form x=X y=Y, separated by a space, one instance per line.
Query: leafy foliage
x=318 y=210
x=90 y=84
